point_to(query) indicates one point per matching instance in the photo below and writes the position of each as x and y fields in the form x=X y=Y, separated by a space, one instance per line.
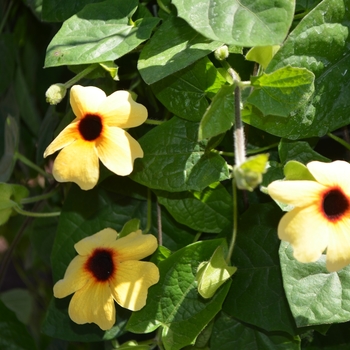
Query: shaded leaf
x=186 y=92
x=174 y=302
x=257 y=296
x=175 y=161
x=219 y=117
x=206 y=211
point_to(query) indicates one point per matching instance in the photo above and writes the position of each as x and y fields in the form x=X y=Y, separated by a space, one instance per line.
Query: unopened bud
x=221 y=53
x=55 y=93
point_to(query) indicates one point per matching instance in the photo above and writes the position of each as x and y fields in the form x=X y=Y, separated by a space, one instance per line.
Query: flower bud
x=55 y=93
x=221 y=53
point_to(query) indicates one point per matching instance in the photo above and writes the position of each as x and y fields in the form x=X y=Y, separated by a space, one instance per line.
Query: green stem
x=163 y=7
x=235 y=216
x=29 y=163
x=2 y=24
x=339 y=140
x=154 y=122
x=248 y=152
x=40 y=197
x=80 y=75
x=34 y=214
x=149 y=211
x=197 y=236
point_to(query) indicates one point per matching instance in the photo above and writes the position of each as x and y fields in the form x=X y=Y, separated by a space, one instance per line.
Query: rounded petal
x=93 y=304
x=78 y=162
x=74 y=278
x=117 y=150
x=130 y=287
x=297 y=193
x=338 y=251
x=135 y=246
x=119 y=109
x=307 y=231
x=67 y=136
x=86 y=100
x=332 y=174
x=100 y=239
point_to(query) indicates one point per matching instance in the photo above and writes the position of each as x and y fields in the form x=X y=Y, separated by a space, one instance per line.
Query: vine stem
x=159 y=219
x=35 y=214
x=39 y=197
x=3 y=22
x=154 y=122
x=80 y=75
x=30 y=164
x=235 y=226
x=339 y=140
x=149 y=212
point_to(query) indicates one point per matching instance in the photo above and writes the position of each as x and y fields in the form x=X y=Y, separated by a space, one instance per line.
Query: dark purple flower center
x=90 y=127
x=335 y=204
x=101 y=265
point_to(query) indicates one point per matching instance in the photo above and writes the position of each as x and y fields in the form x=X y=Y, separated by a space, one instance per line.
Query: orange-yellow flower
x=105 y=270
x=97 y=133
x=321 y=215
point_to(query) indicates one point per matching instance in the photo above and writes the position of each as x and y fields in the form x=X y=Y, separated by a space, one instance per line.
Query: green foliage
x=226 y=280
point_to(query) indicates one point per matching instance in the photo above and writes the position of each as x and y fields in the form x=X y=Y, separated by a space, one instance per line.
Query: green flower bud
x=221 y=53
x=55 y=93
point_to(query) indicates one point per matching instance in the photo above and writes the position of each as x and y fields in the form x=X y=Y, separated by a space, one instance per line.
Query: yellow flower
x=97 y=133
x=321 y=215
x=105 y=270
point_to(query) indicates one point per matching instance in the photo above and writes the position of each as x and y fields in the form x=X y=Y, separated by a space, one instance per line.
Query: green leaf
x=28 y=111
x=10 y=196
x=219 y=117
x=174 y=302
x=229 y=333
x=175 y=161
x=20 y=301
x=186 y=92
x=59 y=11
x=212 y=274
x=98 y=33
x=11 y=138
x=300 y=151
x=315 y=295
x=321 y=44
x=174 y=46
x=14 y=334
x=262 y=54
x=258 y=279
x=242 y=23
x=294 y=170
x=206 y=211
x=282 y=91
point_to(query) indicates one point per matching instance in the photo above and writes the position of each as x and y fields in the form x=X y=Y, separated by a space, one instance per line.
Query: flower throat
x=90 y=127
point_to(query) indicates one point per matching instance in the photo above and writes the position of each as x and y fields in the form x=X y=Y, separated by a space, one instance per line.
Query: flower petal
x=74 y=278
x=117 y=150
x=135 y=246
x=86 y=100
x=119 y=109
x=338 y=251
x=133 y=278
x=67 y=136
x=332 y=174
x=93 y=303
x=308 y=232
x=297 y=193
x=78 y=162
x=100 y=239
